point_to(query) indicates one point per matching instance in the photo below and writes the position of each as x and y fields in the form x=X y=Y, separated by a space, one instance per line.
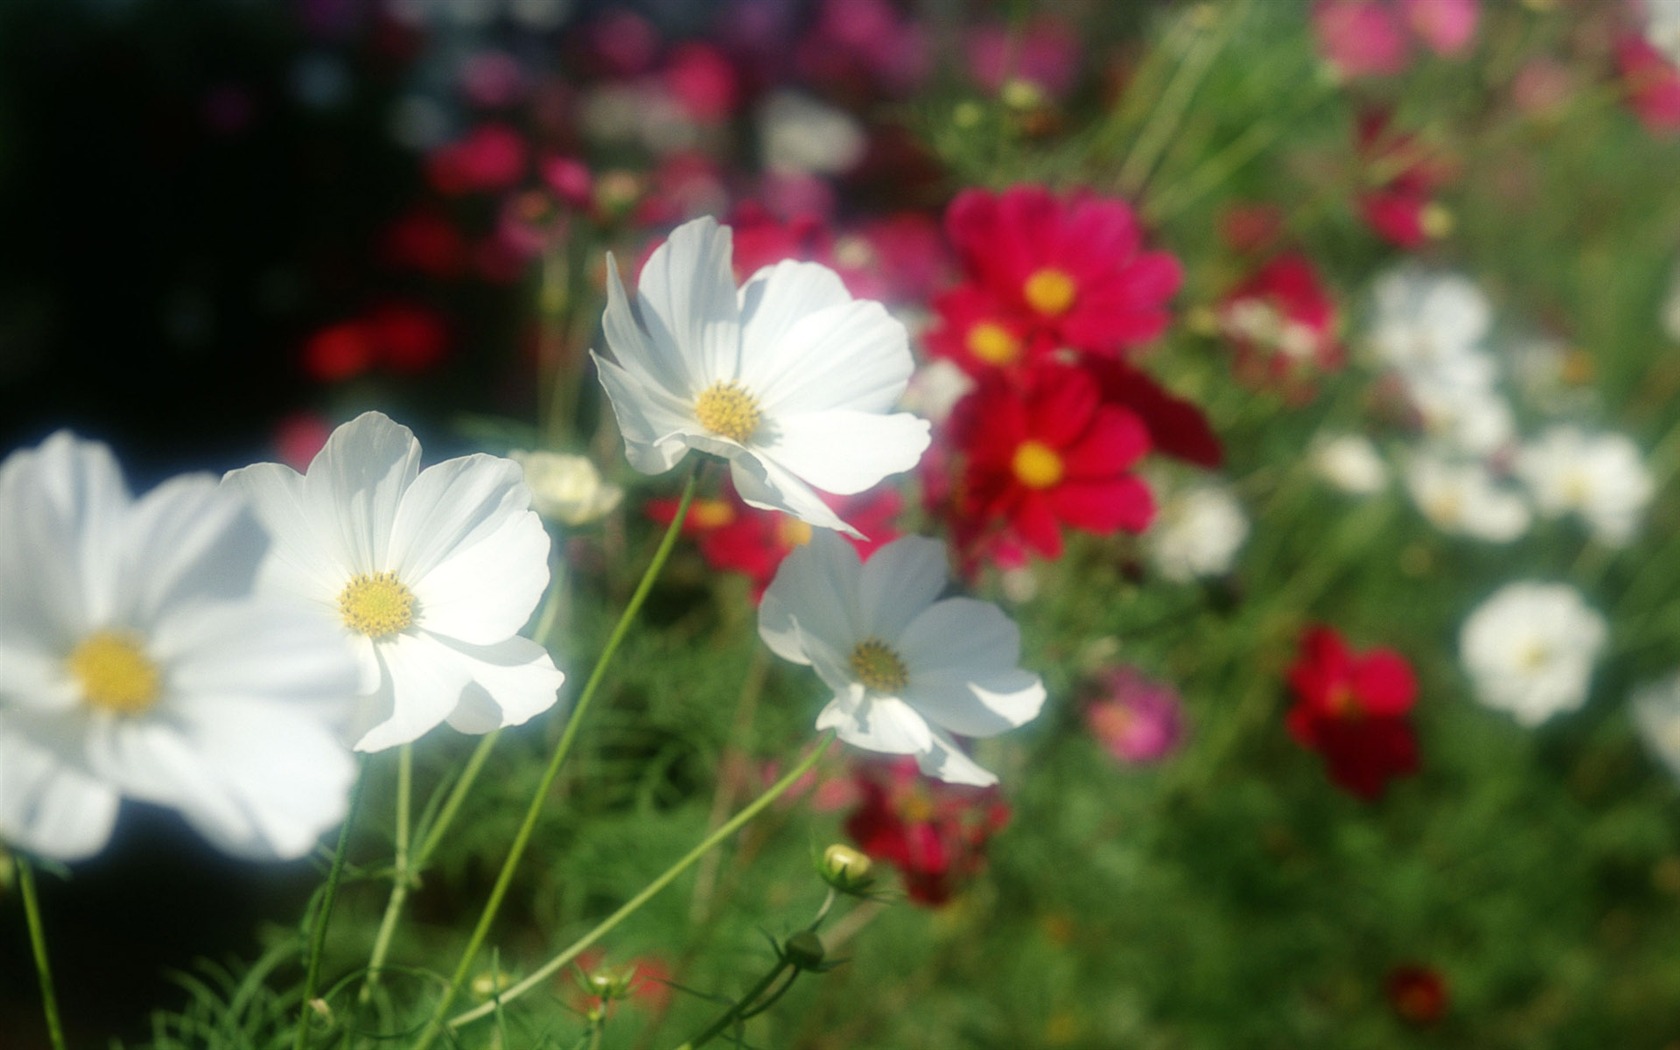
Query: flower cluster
x=1352 y=709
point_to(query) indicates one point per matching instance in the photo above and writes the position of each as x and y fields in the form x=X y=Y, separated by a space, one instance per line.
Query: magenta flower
x=1137 y=718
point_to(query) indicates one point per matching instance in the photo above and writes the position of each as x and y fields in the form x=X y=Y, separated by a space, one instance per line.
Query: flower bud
x=804 y=950
x=489 y=984
x=845 y=868
x=566 y=488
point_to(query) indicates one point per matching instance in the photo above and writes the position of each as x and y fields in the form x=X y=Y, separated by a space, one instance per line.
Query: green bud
x=804 y=950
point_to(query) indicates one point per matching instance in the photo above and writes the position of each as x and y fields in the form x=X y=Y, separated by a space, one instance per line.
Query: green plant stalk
x=1168 y=113
x=648 y=892
x=457 y=795
x=318 y=937
x=435 y=1025
x=38 y=945
x=401 y=875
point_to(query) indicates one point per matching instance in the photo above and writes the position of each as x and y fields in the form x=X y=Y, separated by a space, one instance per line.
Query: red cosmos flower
x=1352 y=710
x=1177 y=428
x=1402 y=208
x=737 y=538
x=1071 y=269
x=1282 y=324
x=1418 y=994
x=934 y=833
x=977 y=332
x=1042 y=454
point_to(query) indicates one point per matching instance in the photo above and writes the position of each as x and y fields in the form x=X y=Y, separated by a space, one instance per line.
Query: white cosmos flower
x=789 y=378
x=1601 y=477
x=430 y=574
x=1530 y=649
x=1197 y=533
x=907 y=669
x=1425 y=320
x=138 y=664
x=1464 y=498
x=1656 y=712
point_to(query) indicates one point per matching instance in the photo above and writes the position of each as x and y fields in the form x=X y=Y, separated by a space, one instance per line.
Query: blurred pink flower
x=1137 y=718
x=491 y=157
x=1361 y=38
x=1446 y=27
x=703 y=82
x=1653 y=84
x=1045 y=53
x=298 y=437
x=492 y=79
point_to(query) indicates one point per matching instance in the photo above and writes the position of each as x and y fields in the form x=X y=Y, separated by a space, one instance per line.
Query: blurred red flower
x=1042 y=455
x=1282 y=324
x=1071 y=269
x=1418 y=994
x=934 y=833
x=1351 y=709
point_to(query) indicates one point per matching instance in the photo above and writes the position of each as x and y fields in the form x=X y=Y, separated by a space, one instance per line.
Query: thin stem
x=38 y=944
x=1168 y=112
x=401 y=876
x=736 y=1010
x=670 y=874
x=517 y=850
x=457 y=795
x=318 y=939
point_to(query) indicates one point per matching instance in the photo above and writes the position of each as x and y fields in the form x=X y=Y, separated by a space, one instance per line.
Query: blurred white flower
x=1530 y=649
x=935 y=388
x=907 y=669
x=1465 y=498
x=797 y=133
x=1662 y=27
x=429 y=574
x=790 y=379
x=1601 y=477
x=1351 y=463
x=139 y=664
x=1425 y=319
x=1473 y=420
x=1656 y=713
x=1197 y=532
x=567 y=488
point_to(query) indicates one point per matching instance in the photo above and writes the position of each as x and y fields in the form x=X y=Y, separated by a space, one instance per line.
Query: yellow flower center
x=727 y=411
x=1037 y=466
x=1436 y=220
x=993 y=343
x=115 y=674
x=878 y=667
x=710 y=513
x=1049 y=291
x=792 y=532
x=376 y=604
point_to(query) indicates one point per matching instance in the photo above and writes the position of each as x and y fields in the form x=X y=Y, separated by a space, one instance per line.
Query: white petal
x=687 y=299
x=35 y=680
x=654 y=422
x=814 y=594
x=286 y=775
x=422 y=683
x=845 y=451
x=853 y=355
x=188 y=539
x=948 y=762
x=50 y=807
x=305 y=558
x=264 y=649
x=980 y=708
x=773 y=301
x=661 y=366
x=883 y=724
x=512 y=682
x=765 y=484
x=470 y=548
x=898 y=583
x=357 y=482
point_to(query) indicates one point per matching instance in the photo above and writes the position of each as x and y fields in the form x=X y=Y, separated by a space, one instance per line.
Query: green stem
x=318 y=938
x=1168 y=112
x=548 y=969
x=735 y=1012
x=457 y=795
x=434 y=1027
x=401 y=876
x=38 y=944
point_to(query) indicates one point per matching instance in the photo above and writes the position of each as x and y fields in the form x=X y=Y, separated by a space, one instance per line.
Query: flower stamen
x=115 y=673
x=727 y=410
x=376 y=604
x=1036 y=465
x=878 y=666
x=1049 y=291
x=993 y=343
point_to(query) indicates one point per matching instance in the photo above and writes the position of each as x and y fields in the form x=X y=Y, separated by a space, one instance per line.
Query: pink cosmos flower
x=1653 y=84
x=1136 y=718
x=1361 y=38
x=1446 y=27
x=1045 y=53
